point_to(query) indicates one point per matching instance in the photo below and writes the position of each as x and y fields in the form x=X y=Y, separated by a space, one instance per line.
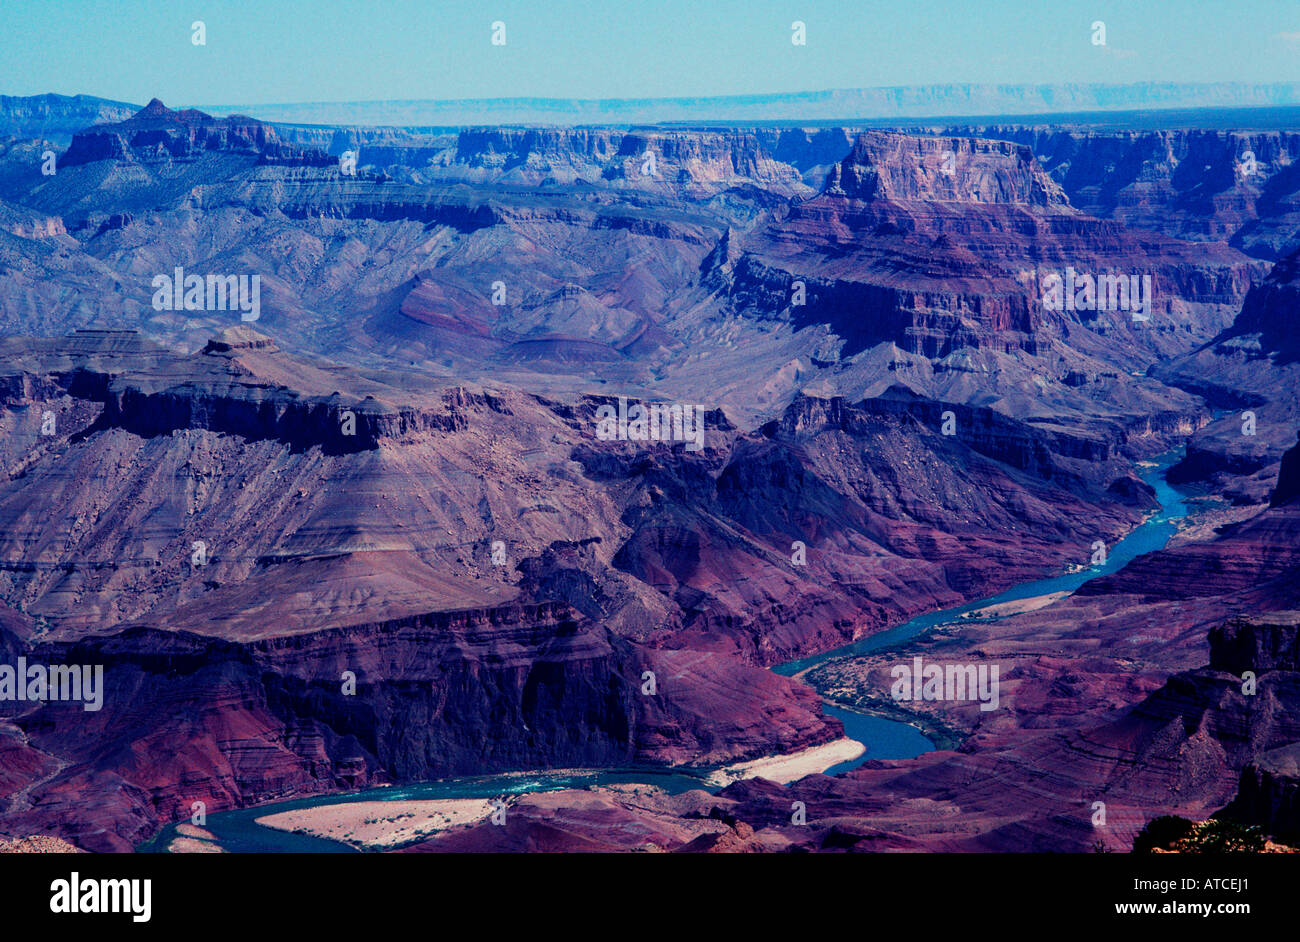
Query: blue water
x=1148 y=537
x=237 y=831
x=884 y=739
x=890 y=739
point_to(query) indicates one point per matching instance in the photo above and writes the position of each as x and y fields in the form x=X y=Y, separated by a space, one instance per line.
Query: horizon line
x=749 y=96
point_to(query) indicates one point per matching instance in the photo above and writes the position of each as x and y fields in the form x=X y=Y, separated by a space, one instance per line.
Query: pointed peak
x=156 y=113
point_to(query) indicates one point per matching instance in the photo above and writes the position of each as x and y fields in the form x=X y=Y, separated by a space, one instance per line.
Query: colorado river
x=884 y=738
x=238 y=831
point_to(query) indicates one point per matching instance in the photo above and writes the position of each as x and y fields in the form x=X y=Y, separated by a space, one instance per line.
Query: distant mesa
x=57 y=117
x=158 y=135
x=902 y=167
x=918 y=102
x=240 y=337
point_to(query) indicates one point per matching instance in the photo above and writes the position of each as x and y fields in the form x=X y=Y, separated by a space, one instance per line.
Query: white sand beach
x=380 y=823
x=793 y=766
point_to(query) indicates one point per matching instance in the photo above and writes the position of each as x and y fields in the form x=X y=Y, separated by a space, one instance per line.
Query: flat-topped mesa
x=241 y=384
x=962 y=170
x=158 y=135
x=257 y=411
x=1258 y=643
x=703 y=160
x=80 y=364
x=240 y=337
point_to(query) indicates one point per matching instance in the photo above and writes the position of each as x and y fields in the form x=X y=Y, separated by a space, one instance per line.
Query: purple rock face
x=382 y=529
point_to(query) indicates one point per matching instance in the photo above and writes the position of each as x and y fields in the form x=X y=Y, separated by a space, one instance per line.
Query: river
x=883 y=738
x=238 y=831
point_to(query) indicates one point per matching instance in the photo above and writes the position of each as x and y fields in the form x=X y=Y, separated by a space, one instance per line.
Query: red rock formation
x=373 y=552
x=322 y=560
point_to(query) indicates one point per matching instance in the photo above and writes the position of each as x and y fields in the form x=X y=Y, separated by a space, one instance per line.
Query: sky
x=277 y=51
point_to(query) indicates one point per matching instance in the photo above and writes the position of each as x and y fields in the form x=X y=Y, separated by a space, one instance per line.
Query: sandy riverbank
x=1016 y=606
x=380 y=823
x=793 y=766
x=38 y=844
x=191 y=839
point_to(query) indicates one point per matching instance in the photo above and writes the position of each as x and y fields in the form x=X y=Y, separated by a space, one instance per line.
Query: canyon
x=376 y=538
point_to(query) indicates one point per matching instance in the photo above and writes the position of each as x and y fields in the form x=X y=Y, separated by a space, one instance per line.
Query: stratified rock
x=1268 y=794
x=1288 y=478
x=1190 y=183
x=1259 y=643
x=1252 y=368
x=157 y=134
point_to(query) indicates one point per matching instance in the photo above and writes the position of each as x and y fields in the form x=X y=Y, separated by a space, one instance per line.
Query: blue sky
x=268 y=51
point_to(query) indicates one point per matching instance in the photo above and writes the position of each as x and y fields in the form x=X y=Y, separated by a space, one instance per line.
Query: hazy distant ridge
x=57 y=117
x=900 y=102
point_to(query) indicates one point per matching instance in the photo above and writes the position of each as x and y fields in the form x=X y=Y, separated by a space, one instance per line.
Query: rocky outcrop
x=1235 y=186
x=927 y=243
x=425 y=697
x=1288 y=478
x=1261 y=643
x=1268 y=316
x=158 y=135
x=1253 y=369
x=217 y=392
x=1268 y=794
x=335 y=423
x=928 y=323
x=897 y=167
